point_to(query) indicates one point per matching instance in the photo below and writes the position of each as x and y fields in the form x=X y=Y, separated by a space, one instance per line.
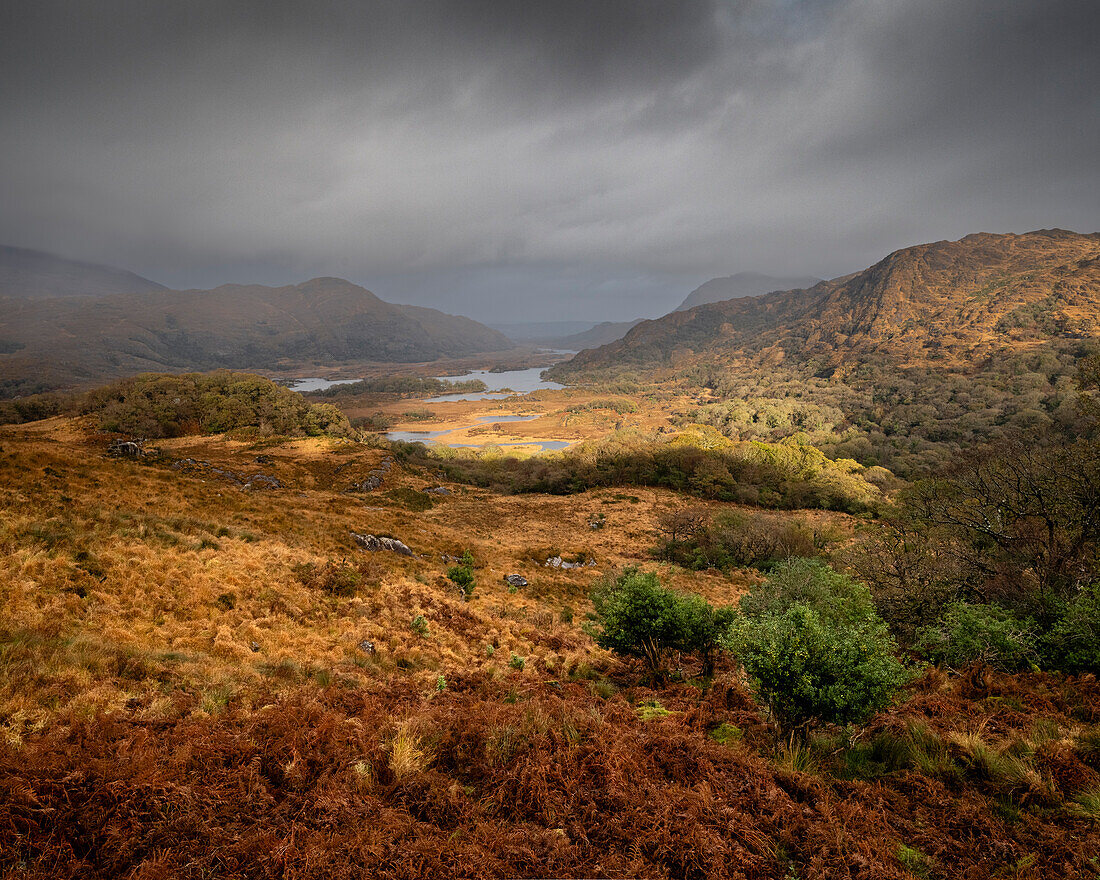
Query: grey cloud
x=539 y=156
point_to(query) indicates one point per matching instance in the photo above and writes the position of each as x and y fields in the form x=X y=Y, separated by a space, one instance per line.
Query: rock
x=126 y=448
x=515 y=580
x=558 y=562
x=263 y=459
x=375 y=543
x=596 y=524
x=366 y=646
x=262 y=481
x=438 y=490
x=254 y=646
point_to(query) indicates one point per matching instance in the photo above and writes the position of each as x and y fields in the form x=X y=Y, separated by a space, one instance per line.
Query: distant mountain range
x=27 y=274
x=948 y=303
x=740 y=285
x=733 y=286
x=57 y=330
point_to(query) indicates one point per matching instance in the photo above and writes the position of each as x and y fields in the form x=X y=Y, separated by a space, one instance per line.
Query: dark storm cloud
x=501 y=158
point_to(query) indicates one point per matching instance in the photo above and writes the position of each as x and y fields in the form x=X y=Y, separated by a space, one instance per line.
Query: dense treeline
x=912 y=420
x=787 y=475
x=156 y=405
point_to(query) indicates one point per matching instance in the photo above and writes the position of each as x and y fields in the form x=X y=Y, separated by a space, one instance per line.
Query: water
x=416 y=436
x=519 y=381
x=314 y=384
x=486 y=420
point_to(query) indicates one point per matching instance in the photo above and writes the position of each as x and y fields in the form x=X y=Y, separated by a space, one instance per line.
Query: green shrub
x=637 y=617
x=160 y=405
x=516 y=662
x=989 y=634
x=419 y=625
x=814 y=648
x=1073 y=643
x=463 y=577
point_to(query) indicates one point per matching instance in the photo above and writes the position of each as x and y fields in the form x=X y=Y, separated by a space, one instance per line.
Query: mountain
x=739 y=285
x=28 y=274
x=601 y=334
x=952 y=304
x=64 y=341
x=544 y=332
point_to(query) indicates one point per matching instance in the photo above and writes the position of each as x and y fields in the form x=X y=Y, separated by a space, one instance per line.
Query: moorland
x=813 y=591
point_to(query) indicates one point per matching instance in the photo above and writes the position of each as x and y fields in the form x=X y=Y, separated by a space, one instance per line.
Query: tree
x=1022 y=517
x=637 y=617
x=814 y=648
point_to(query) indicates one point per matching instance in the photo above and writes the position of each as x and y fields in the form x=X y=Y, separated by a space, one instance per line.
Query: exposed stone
x=438 y=490
x=366 y=646
x=126 y=448
x=375 y=543
x=516 y=580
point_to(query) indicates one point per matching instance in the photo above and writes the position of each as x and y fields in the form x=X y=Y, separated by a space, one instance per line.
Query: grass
x=408 y=754
x=1087 y=803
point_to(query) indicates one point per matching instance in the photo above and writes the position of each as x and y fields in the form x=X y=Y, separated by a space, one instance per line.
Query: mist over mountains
x=64 y=322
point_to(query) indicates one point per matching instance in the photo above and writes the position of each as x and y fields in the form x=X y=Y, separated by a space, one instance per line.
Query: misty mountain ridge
x=730 y=287
x=741 y=285
x=947 y=303
x=31 y=274
x=66 y=340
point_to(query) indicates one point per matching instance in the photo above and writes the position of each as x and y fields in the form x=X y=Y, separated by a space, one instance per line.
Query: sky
x=539 y=160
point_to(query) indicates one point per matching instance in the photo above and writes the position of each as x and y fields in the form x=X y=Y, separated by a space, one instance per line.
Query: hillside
x=740 y=285
x=601 y=334
x=951 y=304
x=202 y=668
x=66 y=341
x=29 y=274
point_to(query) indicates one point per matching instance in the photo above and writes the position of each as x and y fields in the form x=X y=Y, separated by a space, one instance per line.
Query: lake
x=520 y=381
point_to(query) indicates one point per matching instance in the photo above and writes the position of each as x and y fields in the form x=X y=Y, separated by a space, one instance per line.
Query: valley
x=238 y=616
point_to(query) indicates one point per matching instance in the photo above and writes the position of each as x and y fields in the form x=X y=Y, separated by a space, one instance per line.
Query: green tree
x=989 y=634
x=814 y=648
x=637 y=617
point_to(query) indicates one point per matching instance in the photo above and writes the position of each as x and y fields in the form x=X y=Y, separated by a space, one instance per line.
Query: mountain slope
x=29 y=274
x=326 y=320
x=952 y=304
x=601 y=334
x=740 y=285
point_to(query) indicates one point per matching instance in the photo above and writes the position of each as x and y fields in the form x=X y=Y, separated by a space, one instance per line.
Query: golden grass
x=123 y=582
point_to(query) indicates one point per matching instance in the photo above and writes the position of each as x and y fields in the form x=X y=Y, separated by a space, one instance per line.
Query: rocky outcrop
x=376 y=543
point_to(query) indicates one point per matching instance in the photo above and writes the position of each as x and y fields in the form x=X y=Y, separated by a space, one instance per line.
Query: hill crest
x=953 y=303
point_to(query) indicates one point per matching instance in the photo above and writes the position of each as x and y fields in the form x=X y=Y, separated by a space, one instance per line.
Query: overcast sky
x=539 y=159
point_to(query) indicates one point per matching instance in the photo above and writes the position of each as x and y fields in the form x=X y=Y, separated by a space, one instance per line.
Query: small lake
x=519 y=381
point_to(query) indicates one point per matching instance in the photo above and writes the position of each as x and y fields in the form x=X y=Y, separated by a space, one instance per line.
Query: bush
x=1073 y=643
x=160 y=405
x=989 y=634
x=814 y=648
x=637 y=617
x=463 y=577
x=335 y=578
x=760 y=540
